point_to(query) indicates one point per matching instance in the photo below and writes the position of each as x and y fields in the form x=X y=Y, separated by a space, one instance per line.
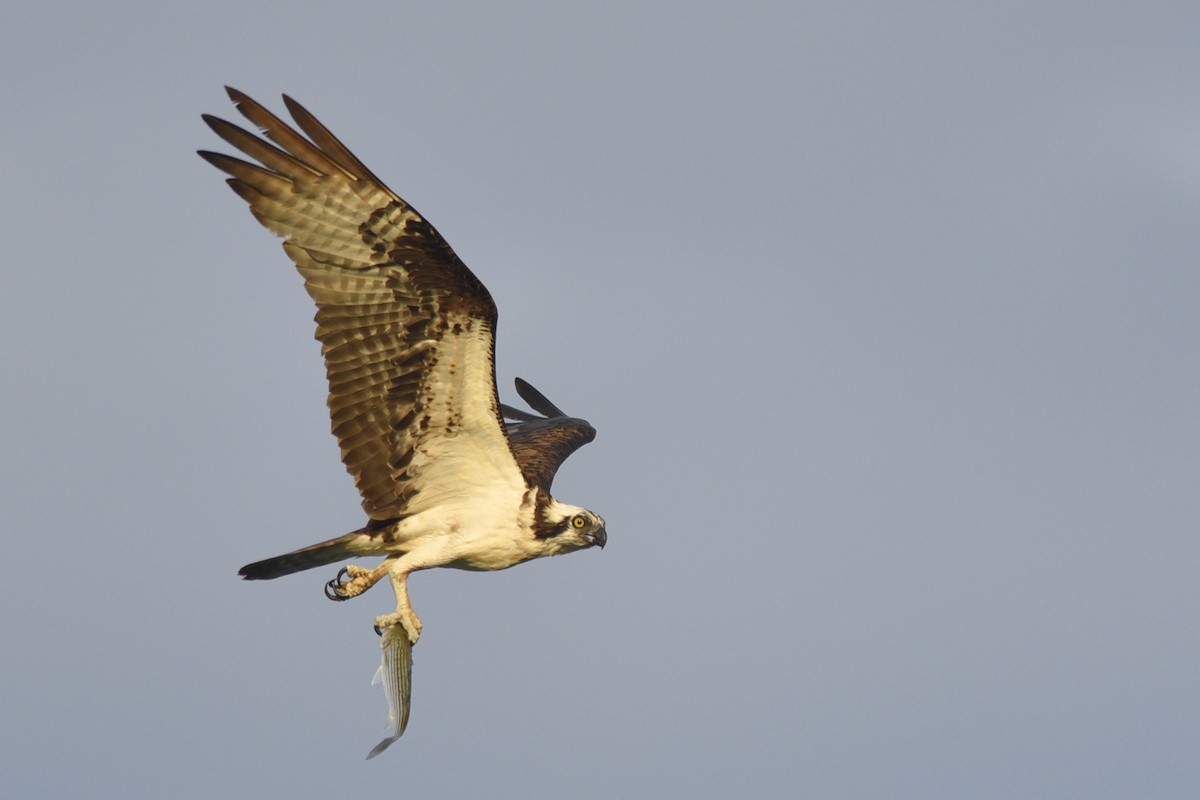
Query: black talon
x=378 y=631
x=331 y=588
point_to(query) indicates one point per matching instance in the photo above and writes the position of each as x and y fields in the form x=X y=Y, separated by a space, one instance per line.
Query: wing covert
x=542 y=444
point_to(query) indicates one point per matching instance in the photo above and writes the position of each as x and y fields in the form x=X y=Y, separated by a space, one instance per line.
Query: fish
x=395 y=673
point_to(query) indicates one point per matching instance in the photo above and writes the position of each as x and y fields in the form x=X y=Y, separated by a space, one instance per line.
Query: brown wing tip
x=536 y=400
x=293 y=106
x=235 y=95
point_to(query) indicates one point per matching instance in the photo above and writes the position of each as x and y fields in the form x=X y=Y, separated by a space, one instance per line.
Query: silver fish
x=396 y=675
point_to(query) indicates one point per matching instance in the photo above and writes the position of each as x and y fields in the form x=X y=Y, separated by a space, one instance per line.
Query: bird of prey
x=408 y=337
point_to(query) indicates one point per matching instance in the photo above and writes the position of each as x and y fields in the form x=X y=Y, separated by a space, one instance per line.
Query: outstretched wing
x=407 y=331
x=542 y=444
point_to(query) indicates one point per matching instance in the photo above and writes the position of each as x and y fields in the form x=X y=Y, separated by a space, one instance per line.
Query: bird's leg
x=404 y=616
x=360 y=579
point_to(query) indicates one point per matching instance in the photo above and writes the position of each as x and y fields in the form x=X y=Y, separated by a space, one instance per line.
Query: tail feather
x=316 y=555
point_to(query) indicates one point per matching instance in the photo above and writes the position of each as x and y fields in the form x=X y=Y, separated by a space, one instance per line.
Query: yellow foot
x=360 y=579
x=410 y=622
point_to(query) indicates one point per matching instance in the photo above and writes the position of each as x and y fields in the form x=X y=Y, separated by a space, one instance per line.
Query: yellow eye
x=578 y=521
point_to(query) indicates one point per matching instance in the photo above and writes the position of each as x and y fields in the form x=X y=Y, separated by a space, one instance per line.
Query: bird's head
x=567 y=527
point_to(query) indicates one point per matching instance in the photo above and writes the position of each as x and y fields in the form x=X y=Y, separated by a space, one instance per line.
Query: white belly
x=483 y=535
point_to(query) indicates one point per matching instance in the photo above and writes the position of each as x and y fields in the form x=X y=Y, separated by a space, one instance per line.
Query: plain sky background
x=888 y=316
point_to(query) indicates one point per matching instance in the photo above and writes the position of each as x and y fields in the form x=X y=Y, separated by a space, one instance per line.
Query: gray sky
x=887 y=315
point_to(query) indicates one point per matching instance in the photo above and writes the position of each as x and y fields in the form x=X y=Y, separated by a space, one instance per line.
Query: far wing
x=542 y=444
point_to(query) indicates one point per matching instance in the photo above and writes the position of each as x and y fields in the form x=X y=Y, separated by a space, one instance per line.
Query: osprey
x=408 y=336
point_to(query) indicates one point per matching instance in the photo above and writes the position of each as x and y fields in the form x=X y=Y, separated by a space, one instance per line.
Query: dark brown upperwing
x=542 y=444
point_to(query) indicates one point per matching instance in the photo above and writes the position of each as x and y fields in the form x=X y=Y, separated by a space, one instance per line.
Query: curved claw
x=332 y=589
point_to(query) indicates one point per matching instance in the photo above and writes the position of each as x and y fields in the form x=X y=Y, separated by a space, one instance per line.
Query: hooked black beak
x=598 y=537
